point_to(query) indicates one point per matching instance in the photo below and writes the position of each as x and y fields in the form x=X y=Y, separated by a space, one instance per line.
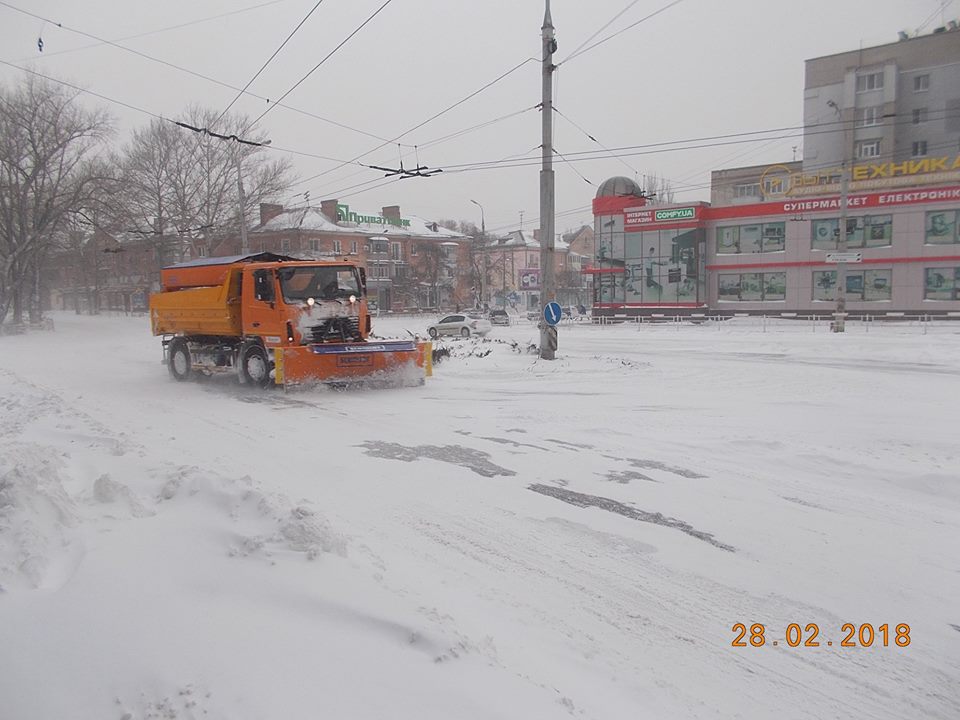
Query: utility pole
x=483 y=249
x=840 y=316
x=548 y=293
x=244 y=241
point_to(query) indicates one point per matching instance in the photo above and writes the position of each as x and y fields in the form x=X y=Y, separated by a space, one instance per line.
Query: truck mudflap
x=389 y=363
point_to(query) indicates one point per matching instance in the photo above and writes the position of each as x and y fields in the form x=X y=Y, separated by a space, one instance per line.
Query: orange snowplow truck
x=277 y=320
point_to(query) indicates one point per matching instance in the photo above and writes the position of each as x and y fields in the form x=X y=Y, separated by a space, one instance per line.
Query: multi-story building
x=897 y=104
x=511 y=265
x=411 y=263
x=888 y=118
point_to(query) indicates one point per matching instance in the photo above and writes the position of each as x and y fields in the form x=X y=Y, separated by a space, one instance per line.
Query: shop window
x=941 y=283
x=754 y=238
x=866 y=231
x=862 y=285
x=942 y=227
x=752 y=287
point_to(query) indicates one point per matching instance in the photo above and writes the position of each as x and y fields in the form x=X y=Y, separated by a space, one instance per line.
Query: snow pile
x=264 y=523
x=37 y=519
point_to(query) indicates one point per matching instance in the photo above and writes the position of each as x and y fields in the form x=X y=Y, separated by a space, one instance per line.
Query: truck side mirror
x=363 y=279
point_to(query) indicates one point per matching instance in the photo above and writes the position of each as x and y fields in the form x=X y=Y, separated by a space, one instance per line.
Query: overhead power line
x=603 y=27
x=174 y=66
x=269 y=60
x=425 y=122
x=578 y=53
x=326 y=57
x=169 y=28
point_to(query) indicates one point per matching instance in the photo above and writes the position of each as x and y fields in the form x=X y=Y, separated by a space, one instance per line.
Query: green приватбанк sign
x=344 y=214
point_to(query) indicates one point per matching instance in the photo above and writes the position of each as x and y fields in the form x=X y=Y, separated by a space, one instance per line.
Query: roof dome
x=619 y=187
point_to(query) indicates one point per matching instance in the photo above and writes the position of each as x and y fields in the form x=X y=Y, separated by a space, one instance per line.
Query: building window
x=868 y=149
x=353 y=247
x=921 y=83
x=285 y=244
x=378 y=246
x=941 y=283
x=337 y=248
x=868 y=116
x=755 y=238
x=413 y=248
x=774 y=186
x=919 y=116
x=919 y=148
x=942 y=227
x=749 y=190
x=862 y=285
x=870 y=81
x=313 y=244
x=395 y=251
x=753 y=287
x=866 y=231
x=201 y=250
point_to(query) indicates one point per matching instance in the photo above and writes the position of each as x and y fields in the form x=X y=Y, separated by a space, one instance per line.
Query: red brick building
x=411 y=263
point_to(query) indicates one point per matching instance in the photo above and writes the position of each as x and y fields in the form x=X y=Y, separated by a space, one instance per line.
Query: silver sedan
x=463 y=325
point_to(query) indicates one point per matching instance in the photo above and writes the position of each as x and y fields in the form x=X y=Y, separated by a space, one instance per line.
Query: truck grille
x=335 y=330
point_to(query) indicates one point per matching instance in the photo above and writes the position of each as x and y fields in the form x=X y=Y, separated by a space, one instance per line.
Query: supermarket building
x=770 y=257
x=888 y=119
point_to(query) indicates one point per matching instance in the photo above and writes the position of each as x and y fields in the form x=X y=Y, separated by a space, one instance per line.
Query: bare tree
x=47 y=141
x=180 y=187
x=659 y=189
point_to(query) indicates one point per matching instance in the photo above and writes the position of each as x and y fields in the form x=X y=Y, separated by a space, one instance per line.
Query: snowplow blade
x=394 y=363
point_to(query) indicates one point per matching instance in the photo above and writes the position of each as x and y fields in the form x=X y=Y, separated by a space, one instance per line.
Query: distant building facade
x=888 y=117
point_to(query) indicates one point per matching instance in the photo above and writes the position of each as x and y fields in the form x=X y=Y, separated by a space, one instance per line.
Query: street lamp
x=483 y=249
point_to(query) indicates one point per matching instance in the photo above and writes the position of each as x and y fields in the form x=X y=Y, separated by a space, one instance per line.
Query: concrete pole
x=483 y=249
x=548 y=292
x=244 y=241
x=840 y=316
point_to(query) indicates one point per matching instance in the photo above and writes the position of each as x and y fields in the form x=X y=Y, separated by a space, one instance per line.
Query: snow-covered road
x=514 y=539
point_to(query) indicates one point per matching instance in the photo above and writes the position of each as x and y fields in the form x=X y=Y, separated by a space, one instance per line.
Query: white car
x=463 y=325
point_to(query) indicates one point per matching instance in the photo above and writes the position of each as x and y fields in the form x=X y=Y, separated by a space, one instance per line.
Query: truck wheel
x=178 y=360
x=255 y=366
x=465 y=332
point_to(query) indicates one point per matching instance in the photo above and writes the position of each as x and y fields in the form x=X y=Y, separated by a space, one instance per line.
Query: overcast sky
x=698 y=69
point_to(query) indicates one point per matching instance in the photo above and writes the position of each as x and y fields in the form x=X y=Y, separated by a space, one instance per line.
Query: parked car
x=463 y=325
x=499 y=316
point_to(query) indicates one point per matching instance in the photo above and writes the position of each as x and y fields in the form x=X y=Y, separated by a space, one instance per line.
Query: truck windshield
x=320 y=283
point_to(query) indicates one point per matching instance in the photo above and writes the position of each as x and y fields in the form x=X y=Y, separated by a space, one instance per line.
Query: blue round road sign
x=552 y=313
